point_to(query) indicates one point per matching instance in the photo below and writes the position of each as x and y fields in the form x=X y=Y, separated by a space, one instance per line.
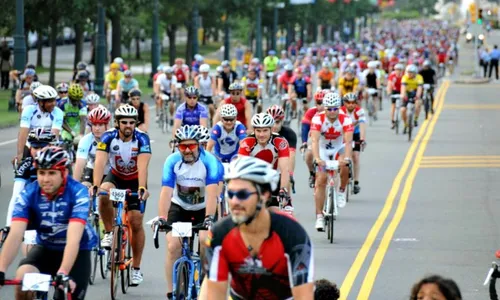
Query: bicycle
x=287 y=107
x=163 y=118
x=372 y=114
x=491 y=279
x=410 y=113
x=40 y=284
x=98 y=252
x=300 y=112
x=120 y=254
x=330 y=209
x=396 y=112
x=223 y=204
x=428 y=102
x=186 y=276
x=272 y=88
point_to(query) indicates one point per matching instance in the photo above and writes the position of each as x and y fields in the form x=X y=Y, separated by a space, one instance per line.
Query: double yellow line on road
x=483 y=161
x=423 y=136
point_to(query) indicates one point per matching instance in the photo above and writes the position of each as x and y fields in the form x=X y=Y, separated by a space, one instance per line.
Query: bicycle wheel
x=299 y=120
x=426 y=106
x=127 y=255
x=181 y=289
x=410 y=126
x=331 y=227
x=396 y=124
x=95 y=251
x=115 y=257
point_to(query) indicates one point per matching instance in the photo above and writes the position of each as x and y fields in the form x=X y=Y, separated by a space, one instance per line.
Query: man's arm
x=11 y=246
x=248 y=116
x=210 y=145
x=216 y=290
x=197 y=82
x=315 y=143
x=348 y=144
x=211 y=202
x=73 y=238
x=78 y=169
x=303 y=291
x=177 y=125
x=101 y=157
x=21 y=141
x=145 y=126
x=283 y=166
x=142 y=168
x=165 y=201
x=118 y=91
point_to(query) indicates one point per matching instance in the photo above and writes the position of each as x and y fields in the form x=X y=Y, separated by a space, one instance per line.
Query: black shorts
x=274 y=196
x=206 y=100
x=179 y=214
x=302 y=96
x=48 y=262
x=356 y=138
x=393 y=100
x=411 y=98
x=168 y=94
x=88 y=175
x=133 y=202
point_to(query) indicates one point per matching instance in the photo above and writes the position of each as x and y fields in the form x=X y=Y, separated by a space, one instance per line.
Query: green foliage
x=401 y=15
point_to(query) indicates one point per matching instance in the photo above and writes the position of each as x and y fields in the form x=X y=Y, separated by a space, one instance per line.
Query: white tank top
x=206 y=86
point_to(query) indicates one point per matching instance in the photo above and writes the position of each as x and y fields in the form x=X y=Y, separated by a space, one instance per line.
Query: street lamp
x=100 y=55
x=19 y=42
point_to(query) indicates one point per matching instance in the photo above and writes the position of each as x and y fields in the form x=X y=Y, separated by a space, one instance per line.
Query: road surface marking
x=372 y=235
x=438 y=166
x=476 y=86
x=378 y=258
x=8 y=142
x=472 y=106
x=461 y=157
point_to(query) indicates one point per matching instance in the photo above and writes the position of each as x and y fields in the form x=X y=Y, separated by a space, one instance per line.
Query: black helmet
x=41 y=137
x=55 y=158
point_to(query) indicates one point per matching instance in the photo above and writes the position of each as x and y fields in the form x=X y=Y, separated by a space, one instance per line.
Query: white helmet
x=411 y=69
x=252 y=169
x=204 y=68
x=204 y=134
x=93 y=98
x=334 y=61
x=228 y=111
x=45 y=92
x=372 y=64
x=262 y=120
x=34 y=85
x=168 y=69
x=118 y=60
x=126 y=111
x=332 y=100
x=349 y=56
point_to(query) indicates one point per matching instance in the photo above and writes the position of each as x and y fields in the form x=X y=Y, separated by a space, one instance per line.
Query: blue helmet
x=187 y=132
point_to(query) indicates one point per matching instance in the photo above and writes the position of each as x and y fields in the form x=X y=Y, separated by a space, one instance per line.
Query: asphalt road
x=425 y=207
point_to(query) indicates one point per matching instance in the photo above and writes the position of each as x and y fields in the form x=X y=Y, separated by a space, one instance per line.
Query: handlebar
x=157 y=227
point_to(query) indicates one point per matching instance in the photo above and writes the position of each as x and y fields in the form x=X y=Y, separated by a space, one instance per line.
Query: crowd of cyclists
x=230 y=130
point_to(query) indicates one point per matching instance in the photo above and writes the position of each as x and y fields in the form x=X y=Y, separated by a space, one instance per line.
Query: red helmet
x=99 y=115
x=318 y=97
x=54 y=158
x=276 y=112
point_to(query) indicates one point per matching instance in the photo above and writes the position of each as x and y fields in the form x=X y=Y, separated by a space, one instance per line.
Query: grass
x=40 y=70
x=7 y=118
x=143 y=85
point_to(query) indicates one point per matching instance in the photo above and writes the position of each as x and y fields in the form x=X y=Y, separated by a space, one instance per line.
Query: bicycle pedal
x=133 y=285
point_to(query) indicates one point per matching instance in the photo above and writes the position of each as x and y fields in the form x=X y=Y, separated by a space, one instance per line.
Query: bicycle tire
x=95 y=251
x=181 y=290
x=331 y=225
x=410 y=126
x=426 y=106
x=115 y=258
x=127 y=253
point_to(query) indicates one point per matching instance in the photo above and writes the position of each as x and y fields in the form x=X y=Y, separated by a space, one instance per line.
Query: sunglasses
x=319 y=102
x=135 y=98
x=332 y=108
x=127 y=123
x=240 y=194
x=235 y=93
x=38 y=147
x=63 y=92
x=228 y=120
x=192 y=97
x=184 y=147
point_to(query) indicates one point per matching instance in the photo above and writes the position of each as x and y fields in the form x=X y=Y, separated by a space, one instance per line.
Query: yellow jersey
x=271 y=63
x=412 y=83
x=113 y=79
x=348 y=86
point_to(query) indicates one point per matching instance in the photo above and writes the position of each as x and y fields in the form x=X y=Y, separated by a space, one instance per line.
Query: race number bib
x=117 y=195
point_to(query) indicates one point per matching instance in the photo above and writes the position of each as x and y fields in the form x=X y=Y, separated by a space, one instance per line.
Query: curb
x=471 y=81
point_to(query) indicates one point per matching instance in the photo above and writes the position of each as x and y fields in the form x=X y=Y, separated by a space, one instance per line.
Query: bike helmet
x=83 y=75
x=45 y=92
x=198 y=58
x=235 y=86
x=276 y=111
x=204 y=68
x=289 y=67
x=40 y=137
x=127 y=73
x=75 y=92
x=228 y=111
x=204 y=134
x=372 y=64
x=225 y=63
x=262 y=120
x=99 y=115
x=427 y=63
x=332 y=100
x=252 y=169
x=399 y=67
x=349 y=56
x=53 y=158
x=350 y=97
x=349 y=70
x=191 y=91
x=62 y=87
x=118 y=60
x=93 y=99
x=160 y=68
x=134 y=93
x=114 y=66
x=271 y=53
x=411 y=69
x=29 y=72
x=187 y=132
x=168 y=70
x=34 y=85
x=319 y=95
x=81 y=66
x=126 y=111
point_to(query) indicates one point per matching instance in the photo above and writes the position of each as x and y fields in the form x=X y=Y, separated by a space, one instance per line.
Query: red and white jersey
x=331 y=133
x=181 y=72
x=357 y=115
x=276 y=148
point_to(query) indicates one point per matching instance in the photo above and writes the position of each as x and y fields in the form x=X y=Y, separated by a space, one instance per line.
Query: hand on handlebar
x=62 y=279
x=143 y=193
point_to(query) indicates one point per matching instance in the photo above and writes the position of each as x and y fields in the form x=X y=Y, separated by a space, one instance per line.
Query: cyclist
x=62 y=92
x=277 y=249
x=205 y=83
x=371 y=78
x=300 y=88
x=75 y=115
x=242 y=105
x=30 y=99
x=252 y=87
x=181 y=71
x=83 y=79
x=190 y=112
x=64 y=238
x=24 y=86
x=331 y=134
x=45 y=114
x=326 y=77
x=128 y=152
x=285 y=79
x=411 y=90
x=92 y=100
x=348 y=83
x=357 y=115
x=306 y=126
x=429 y=76
x=165 y=83
x=119 y=61
x=125 y=85
x=111 y=81
x=85 y=155
x=271 y=62
x=134 y=97
x=394 y=88
x=196 y=64
x=226 y=134
x=226 y=79
x=189 y=191
x=80 y=66
x=273 y=149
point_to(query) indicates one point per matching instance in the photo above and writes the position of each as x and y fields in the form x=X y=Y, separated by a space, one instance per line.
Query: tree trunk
x=189 y=44
x=216 y=34
x=39 y=49
x=205 y=37
x=138 y=45
x=171 y=33
x=116 y=37
x=53 y=51
x=78 y=44
x=92 y=49
x=26 y=32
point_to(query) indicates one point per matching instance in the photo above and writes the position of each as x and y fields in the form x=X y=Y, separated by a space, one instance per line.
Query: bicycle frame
x=41 y=295
x=194 y=263
x=332 y=170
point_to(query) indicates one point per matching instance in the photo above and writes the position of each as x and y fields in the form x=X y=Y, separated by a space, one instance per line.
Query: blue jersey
x=300 y=86
x=50 y=218
x=227 y=143
x=189 y=180
x=191 y=117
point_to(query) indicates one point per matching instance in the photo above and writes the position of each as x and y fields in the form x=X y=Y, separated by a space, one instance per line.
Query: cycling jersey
x=300 y=86
x=285 y=80
x=127 y=86
x=227 y=79
x=166 y=83
x=180 y=73
x=357 y=116
x=123 y=155
x=271 y=63
x=227 y=143
x=331 y=133
x=275 y=148
x=348 y=86
x=290 y=136
x=86 y=150
x=325 y=76
x=412 y=83
x=189 y=180
x=284 y=261
x=191 y=116
x=72 y=115
x=428 y=75
x=25 y=171
x=251 y=87
x=240 y=108
x=28 y=100
x=113 y=79
x=395 y=82
x=50 y=218
x=205 y=84
x=33 y=117
x=306 y=123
